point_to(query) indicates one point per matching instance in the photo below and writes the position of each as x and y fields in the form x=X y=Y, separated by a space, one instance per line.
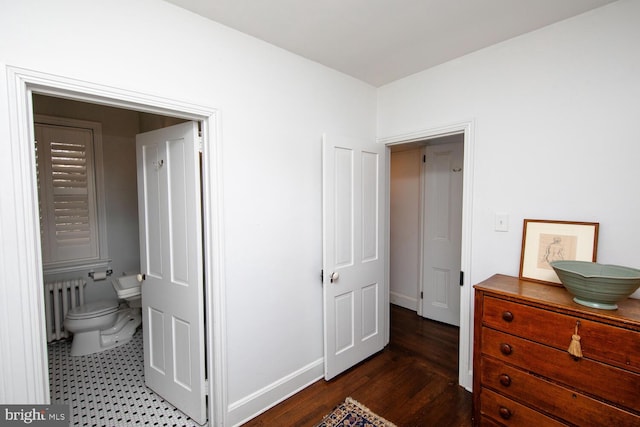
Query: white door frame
x=22 y=84
x=465 y=362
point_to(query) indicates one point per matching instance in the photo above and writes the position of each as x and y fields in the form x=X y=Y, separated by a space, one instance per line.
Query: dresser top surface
x=558 y=298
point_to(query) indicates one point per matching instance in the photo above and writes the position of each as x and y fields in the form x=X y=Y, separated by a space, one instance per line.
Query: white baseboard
x=403 y=301
x=468 y=384
x=241 y=411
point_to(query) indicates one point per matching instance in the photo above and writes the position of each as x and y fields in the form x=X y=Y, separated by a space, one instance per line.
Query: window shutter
x=67 y=193
x=70 y=193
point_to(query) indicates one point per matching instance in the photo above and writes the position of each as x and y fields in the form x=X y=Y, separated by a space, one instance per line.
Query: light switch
x=502 y=222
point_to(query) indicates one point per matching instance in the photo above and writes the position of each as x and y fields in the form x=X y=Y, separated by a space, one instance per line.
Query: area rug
x=351 y=413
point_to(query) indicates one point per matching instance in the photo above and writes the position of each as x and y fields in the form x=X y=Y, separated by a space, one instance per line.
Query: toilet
x=101 y=325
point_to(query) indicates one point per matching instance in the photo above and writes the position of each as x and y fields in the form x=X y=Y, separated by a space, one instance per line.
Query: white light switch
x=502 y=222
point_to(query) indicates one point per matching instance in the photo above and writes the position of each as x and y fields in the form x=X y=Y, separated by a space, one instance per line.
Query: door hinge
x=322 y=276
x=421 y=295
x=424 y=158
x=462 y=278
x=200 y=143
x=205 y=385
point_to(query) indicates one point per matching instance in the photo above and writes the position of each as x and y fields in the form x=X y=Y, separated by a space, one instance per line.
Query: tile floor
x=107 y=389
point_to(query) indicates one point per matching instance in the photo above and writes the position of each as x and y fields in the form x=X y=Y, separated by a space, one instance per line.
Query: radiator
x=59 y=297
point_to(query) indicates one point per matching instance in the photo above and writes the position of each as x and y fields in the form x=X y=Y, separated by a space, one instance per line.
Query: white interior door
x=354 y=288
x=442 y=232
x=171 y=258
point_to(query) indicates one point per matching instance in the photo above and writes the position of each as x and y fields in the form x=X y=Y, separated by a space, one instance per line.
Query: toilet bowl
x=102 y=325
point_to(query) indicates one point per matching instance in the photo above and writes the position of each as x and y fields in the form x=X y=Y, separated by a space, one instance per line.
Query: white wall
x=404 y=245
x=555 y=116
x=274 y=108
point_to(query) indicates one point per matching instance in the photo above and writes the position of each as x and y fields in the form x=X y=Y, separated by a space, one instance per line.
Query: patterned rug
x=351 y=413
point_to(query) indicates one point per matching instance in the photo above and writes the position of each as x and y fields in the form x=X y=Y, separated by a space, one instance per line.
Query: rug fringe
x=369 y=411
x=352 y=406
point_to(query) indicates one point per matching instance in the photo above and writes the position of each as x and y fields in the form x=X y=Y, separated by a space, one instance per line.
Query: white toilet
x=102 y=325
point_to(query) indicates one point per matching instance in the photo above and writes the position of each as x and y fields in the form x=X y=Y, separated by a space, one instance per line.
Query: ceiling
x=379 y=41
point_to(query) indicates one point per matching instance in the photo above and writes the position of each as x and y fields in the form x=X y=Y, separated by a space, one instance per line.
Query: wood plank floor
x=412 y=382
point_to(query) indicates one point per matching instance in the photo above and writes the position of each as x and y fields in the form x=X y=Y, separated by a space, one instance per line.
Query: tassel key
x=574 y=347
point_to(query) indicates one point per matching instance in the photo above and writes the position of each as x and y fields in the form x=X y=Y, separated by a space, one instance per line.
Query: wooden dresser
x=523 y=374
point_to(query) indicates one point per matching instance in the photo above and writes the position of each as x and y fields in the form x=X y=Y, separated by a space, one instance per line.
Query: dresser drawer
x=594 y=378
x=571 y=406
x=510 y=413
x=599 y=341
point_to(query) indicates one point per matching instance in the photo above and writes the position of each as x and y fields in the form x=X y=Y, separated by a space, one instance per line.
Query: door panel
x=353 y=261
x=344 y=322
x=152 y=208
x=370 y=200
x=370 y=303
x=171 y=259
x=442 y=232
x=343 y=214
x=155 y=340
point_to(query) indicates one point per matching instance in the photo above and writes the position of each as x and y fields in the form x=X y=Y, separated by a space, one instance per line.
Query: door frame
x=465 y=365
x=22 y=84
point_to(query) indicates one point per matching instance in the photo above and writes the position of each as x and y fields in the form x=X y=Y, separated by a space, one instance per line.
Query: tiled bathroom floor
x=107 y=389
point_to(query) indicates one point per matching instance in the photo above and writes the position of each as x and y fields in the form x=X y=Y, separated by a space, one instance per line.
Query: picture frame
x=544 y=241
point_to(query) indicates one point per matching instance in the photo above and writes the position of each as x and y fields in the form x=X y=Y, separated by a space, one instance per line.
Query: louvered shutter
x=67 y=194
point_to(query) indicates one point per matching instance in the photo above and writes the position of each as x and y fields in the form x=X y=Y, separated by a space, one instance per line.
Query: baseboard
x=403 y=301
x=249 y=407
x=467 y=382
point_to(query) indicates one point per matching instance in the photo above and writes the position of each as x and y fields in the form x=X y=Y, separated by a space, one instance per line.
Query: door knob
x=334 y=276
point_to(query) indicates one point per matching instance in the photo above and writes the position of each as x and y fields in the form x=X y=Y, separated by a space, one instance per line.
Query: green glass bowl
x=597 y=285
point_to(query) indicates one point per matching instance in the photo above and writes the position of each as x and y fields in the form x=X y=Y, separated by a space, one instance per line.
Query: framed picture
x=544 y=241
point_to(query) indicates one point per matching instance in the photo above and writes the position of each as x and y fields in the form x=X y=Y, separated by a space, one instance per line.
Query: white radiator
x=59 y=297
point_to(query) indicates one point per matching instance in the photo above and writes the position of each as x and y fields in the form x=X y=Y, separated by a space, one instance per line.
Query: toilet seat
x=93 y=309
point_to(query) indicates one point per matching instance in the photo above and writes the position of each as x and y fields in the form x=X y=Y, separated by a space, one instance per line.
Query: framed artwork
x=544 y=241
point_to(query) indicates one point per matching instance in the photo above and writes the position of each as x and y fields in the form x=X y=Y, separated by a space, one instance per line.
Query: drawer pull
x=506 y=349
x=574 y=347
x=505 y=413
x=505 y=380
x=507 y=316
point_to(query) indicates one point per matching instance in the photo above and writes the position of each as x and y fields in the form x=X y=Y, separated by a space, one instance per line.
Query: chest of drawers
x=523 y=374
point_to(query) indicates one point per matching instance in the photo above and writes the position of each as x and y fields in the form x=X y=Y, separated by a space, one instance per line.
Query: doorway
x=425 y=236
x=22 y=85
x=408 y=261
x=113 y=156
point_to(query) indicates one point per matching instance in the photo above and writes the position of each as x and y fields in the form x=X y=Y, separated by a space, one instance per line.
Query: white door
x=171 y=258
x=354 y=288
x=442 y=232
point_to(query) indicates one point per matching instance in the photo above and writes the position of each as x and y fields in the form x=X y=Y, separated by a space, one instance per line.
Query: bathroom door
x=171 y=259
x=354 y=290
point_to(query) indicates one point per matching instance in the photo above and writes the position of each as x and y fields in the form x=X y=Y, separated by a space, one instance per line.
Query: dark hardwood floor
x=412 y=382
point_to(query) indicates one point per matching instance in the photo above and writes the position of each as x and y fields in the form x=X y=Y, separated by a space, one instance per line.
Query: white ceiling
x=379 y=41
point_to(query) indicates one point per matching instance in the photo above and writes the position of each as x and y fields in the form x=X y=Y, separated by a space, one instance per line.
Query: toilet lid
x=93 y=309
